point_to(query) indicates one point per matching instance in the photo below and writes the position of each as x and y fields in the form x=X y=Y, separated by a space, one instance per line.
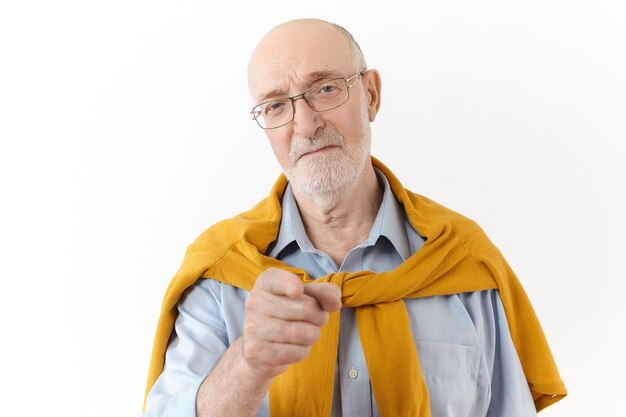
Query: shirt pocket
x=451 y=375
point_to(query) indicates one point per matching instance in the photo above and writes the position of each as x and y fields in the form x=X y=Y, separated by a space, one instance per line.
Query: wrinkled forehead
x=289 y=59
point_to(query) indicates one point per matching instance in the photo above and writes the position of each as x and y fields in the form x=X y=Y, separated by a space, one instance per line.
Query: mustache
x=319 y=140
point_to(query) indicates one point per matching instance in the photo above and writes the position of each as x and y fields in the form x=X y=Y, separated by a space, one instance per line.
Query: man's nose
x=306 y=120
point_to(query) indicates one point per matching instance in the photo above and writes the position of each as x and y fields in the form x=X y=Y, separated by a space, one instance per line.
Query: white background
x=125 y=132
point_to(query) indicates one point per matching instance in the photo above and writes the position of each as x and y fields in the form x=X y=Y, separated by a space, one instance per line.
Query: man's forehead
x=298 y=53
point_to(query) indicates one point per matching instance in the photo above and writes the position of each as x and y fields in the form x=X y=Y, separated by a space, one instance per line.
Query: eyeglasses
x=322 y=96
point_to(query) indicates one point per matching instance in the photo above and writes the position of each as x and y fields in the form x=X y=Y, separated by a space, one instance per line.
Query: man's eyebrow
x=277 y=92
x=311 y=77
x=318 y=75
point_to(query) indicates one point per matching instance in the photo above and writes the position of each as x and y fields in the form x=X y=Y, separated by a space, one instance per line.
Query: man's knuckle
x=316 y=333
x=311 y=334
x=304 y=352
x=253 y=303
x=251 y=331
x=289 y=331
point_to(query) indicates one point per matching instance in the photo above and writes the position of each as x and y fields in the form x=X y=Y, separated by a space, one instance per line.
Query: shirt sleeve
x=198 y=342
x=509 y=392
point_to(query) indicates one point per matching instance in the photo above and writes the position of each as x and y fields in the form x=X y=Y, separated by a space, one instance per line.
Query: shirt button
x=353 y=373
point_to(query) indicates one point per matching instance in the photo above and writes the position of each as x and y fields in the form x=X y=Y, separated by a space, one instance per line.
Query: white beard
x=328 y=178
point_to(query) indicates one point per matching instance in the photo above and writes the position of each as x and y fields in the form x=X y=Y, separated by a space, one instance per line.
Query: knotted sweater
x=456 y=257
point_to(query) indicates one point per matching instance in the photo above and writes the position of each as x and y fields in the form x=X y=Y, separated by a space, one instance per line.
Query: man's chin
x=324 y=190
x=325 y=178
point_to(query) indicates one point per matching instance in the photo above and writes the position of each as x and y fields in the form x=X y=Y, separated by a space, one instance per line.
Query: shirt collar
x=291 y=226
x=389 y=222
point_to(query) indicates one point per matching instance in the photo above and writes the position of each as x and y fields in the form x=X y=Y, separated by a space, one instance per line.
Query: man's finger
x=305 y=308
x=280 y=282
x=328 y=295
x=284 y=331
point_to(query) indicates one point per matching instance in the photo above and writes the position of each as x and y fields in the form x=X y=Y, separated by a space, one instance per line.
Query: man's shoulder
x=443 y=221
x=436 y=213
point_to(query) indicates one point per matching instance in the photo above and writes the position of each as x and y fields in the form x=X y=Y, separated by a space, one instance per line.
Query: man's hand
x=283 y=319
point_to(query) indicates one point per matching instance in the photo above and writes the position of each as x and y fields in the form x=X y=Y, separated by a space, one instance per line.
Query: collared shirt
x=468 y=360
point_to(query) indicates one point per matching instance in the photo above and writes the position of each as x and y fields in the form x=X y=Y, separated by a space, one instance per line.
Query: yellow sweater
x=456 y=257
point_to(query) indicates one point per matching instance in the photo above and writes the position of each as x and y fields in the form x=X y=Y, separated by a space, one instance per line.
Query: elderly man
x=342 y=293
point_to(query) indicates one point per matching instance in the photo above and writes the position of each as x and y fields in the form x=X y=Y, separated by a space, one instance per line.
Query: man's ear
x=372 y=86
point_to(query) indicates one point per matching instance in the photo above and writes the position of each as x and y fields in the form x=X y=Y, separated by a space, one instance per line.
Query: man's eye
x=274 y=107
x=326 y=90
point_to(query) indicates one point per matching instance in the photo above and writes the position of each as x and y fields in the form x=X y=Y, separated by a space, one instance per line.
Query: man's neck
x=338 y=229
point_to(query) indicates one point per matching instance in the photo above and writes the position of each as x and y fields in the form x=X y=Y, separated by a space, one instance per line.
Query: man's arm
x=200 y=345
x=232 y=388
x=282 y=321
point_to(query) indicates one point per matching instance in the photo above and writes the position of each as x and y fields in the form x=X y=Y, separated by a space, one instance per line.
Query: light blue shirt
x=467 y=357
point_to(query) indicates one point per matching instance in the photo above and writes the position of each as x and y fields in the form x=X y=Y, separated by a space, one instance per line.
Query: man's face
x=320 y=152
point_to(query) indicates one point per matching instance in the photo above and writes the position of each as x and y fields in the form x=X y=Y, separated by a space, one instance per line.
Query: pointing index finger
x=280 y=282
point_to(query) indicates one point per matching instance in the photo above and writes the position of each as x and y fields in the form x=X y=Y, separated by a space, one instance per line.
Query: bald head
x=297 y=51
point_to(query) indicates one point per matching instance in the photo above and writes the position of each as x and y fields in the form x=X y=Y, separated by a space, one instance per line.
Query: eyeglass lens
x=322 y=96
